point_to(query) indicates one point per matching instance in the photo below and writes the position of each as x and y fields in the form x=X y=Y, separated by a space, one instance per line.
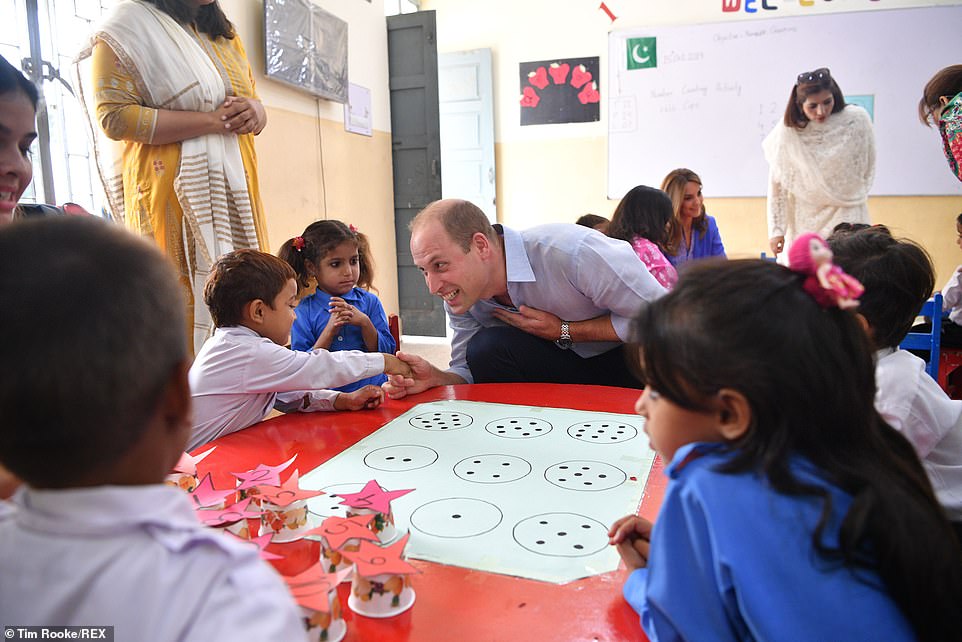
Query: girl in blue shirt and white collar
x=793 y=511
x=339 y=315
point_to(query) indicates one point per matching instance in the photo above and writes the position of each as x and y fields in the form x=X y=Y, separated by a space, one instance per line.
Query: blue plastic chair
x=932 y=340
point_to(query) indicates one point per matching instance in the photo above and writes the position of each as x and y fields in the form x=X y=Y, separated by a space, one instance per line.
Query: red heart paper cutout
x=580 y=76
x=559 y=73
x=538 y=78
x=530 y=98
x=589 y=94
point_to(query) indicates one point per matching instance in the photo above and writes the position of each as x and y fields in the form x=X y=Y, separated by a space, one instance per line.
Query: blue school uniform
x=703 y=245
x=732 y=559
x=313 y=314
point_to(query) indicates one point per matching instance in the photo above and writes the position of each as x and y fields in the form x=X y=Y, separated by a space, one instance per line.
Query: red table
x=453 y=603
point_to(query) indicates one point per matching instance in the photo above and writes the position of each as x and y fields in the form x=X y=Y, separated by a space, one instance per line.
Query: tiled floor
x=437 y=350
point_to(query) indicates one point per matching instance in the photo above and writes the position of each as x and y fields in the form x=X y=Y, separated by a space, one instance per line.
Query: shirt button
x=340 y=338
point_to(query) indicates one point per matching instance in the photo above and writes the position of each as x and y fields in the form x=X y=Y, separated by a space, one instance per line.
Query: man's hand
x=531 y=320
x=777 y=243
x=361 y=399
x=422 y=377
x=631 y=535
x=395 y=366
x=244 y=115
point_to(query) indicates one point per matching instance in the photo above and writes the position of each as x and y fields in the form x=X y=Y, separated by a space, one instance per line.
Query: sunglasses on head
x=822 y=73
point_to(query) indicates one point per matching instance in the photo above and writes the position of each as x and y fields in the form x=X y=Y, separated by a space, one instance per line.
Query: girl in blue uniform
x=339 y=315
x=793 y=511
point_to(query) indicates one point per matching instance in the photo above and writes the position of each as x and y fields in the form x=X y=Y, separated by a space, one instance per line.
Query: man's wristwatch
x=564 y=341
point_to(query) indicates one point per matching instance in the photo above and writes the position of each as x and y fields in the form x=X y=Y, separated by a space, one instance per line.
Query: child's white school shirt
x=238 y=376
x=952 y=297
x=914 y=404
x=136 y=558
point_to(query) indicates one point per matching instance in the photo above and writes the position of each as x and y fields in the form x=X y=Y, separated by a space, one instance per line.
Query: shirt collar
x=105 y=509
x=517 y=265
x=688 y=453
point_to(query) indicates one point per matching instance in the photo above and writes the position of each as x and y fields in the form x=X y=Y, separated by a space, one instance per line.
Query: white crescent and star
x=637 y=58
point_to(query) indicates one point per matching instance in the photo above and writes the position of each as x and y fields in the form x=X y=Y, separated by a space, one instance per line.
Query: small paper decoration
x=338 y=530
x=261 y=543
x=287 y=493
x=263 y=475
x=372 y=497
x=187 y=463
x=311 y=589
x=228 y=515
x=372 y=559
x=205 y=495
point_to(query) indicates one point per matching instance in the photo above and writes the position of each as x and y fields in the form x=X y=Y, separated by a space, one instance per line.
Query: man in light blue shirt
x=552 y=303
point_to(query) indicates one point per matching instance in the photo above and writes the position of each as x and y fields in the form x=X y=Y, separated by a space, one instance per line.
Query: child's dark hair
x=209 y=19
x=318 y=239
x=238 y=278
x=76 y=394
x=591 y=220
x=644 y=211
x=898 y=277
x=808 y=84
x=809 y=378
x=946 y=83
x=12 y=80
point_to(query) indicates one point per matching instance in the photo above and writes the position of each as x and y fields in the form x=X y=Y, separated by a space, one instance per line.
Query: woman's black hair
x=319 y=238
x=12 y=80
x=209 y=19
x=644 y=211
x=809 y=378
x=814 y=83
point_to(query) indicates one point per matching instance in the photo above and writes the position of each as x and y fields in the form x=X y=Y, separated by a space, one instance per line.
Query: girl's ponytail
x=292 y=251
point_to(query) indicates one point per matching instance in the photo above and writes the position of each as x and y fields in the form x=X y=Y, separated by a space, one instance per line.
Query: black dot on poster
x=563 y=467
x=390 y=458
x=562 y=479
x=587 y=483
x=562 y=534
x=542 y=522
x=578 y=474
x=477 y=461
x=505 y=463
x=579 y=546
x=495 y=476
x=470 y=472
x=540 y=541
x=525 y=434
x=406 y=459
x=455 y=516
x=602 y=476
x=513 y=421
x=586 y=526
x=585 y=468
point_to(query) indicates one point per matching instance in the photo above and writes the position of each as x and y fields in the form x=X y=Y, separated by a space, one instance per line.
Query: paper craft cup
x=285 y=523
x=241 y=528
x=382 y=525
x=381 y=595
x=332 y=560
x=183 y=481
x=325 y=627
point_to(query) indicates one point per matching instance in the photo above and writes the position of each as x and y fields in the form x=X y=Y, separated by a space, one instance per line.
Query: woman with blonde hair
x=692 y=233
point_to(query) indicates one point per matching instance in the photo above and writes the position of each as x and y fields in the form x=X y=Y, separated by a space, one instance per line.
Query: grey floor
x=436 y=350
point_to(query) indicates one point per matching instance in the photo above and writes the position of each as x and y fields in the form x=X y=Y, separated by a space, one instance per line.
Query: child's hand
x=631 y=535
x=361 y=399
x=343 y=313
x=394 y=366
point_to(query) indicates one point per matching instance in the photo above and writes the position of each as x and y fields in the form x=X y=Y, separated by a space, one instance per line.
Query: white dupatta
x=172 y=71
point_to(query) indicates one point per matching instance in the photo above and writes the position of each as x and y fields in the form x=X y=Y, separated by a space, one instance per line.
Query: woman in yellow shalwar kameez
x=186 y=174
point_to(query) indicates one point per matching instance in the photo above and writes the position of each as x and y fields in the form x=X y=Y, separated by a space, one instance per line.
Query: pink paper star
x=287 y=493
x=187 y=463
x=263 y=475
x=372 y=497
x=228 y=515
x=261 y=543
x=372 y=559
x=338 y=530
x=206 y=495
x=312 y=588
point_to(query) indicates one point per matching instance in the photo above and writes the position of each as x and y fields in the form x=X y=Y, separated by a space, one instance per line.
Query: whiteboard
x=718 y=89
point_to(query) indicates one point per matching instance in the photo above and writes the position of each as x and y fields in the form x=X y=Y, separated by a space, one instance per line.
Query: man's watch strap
x=564 y=341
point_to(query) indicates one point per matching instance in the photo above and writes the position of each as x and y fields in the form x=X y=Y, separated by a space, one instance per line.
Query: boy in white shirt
x=95 y=411
x=898 y=277
x=244 y=370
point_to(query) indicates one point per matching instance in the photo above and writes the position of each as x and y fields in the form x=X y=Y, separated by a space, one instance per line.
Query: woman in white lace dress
x=821 y=162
